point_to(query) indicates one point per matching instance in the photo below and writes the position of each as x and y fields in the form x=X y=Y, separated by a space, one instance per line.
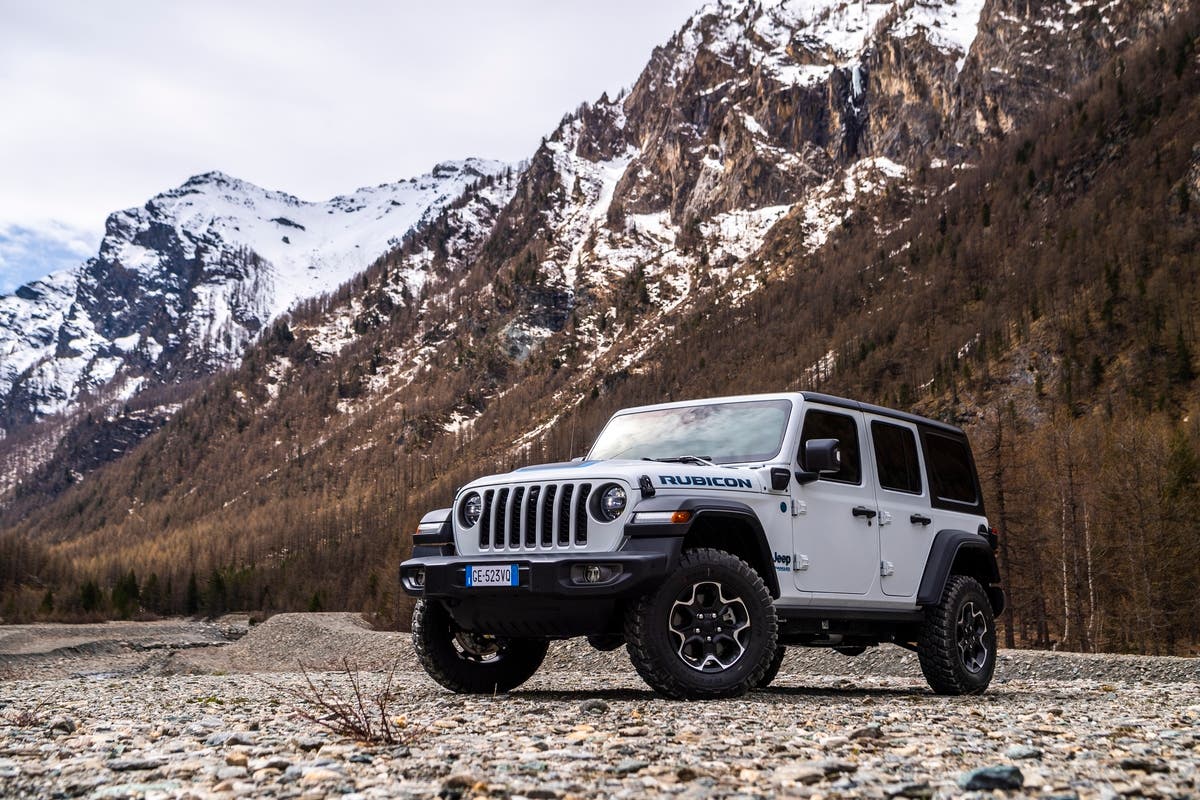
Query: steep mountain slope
x=730 y=224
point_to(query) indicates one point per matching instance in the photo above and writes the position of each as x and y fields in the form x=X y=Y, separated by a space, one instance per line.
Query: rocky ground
x=181 y=709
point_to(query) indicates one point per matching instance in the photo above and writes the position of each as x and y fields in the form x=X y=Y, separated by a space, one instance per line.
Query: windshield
x=726 y=433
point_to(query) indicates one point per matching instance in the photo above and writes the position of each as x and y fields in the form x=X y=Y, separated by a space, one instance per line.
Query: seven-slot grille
x=544 y=516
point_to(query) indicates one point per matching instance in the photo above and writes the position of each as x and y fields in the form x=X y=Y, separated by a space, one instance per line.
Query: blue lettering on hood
x=705 y=481
x=561 y=465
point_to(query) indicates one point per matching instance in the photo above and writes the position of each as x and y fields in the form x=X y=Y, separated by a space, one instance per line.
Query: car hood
x=662 y=475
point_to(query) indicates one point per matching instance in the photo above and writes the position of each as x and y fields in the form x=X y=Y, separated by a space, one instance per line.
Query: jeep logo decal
x=703 y=480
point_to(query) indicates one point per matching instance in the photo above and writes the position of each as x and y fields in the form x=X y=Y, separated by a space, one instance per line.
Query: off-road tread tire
x=936 y=648
x=431 y=634
x=641 y=650
x=772 y=668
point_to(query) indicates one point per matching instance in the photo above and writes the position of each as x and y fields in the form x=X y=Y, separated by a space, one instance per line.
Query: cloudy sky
x=106 y=104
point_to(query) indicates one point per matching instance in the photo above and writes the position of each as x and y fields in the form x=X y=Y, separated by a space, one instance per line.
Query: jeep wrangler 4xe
x=708 y=536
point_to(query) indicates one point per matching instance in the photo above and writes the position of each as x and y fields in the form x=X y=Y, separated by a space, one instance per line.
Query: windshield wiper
x=704 y=461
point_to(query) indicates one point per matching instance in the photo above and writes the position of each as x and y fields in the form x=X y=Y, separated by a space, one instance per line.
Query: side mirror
x=820 y=456
x=823 y=455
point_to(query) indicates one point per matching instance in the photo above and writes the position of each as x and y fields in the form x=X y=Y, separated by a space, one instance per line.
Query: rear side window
x=951 y=472
x=827 y=425
x=896 y=457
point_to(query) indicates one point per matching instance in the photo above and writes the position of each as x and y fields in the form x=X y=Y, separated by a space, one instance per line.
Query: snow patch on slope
x=800 y=42
x=828 y=205
x=948 y=26
x=739 y=234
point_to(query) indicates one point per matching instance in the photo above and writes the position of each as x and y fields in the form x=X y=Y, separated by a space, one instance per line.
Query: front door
x=834 y=533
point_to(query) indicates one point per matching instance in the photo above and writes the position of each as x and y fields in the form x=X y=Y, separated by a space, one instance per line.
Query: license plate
x=494 y=575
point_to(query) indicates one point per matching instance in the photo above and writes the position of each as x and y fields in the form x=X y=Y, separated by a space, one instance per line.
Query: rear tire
x=957 y=645
x=706 y=631
x=468 y=662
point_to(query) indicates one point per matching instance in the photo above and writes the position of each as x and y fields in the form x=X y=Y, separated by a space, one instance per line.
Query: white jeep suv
x=706 y=536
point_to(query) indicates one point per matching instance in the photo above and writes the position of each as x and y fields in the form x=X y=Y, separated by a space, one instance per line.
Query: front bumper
x=547 y=575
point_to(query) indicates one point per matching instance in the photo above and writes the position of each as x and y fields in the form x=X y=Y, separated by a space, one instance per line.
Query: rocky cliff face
x=759 y=111
x=1030 y=52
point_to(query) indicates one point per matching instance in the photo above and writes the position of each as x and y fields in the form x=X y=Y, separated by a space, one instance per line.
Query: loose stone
x=997 y=777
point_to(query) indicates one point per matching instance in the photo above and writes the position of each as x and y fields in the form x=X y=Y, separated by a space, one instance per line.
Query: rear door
x=906 y=520
x=835 y=537
x=954 y=492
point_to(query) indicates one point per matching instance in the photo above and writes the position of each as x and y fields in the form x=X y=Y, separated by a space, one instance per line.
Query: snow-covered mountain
x=182 y=284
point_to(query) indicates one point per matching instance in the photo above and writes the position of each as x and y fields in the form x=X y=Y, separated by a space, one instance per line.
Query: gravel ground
x=99 y=722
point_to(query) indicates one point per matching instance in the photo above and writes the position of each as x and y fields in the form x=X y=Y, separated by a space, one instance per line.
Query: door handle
x=863 y=511
x=920 y=519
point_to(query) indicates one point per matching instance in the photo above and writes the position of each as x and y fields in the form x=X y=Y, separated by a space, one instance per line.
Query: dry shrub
x=356 y=713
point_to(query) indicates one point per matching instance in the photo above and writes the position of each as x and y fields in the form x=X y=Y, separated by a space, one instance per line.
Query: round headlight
x=471 y=509
x=612 y=503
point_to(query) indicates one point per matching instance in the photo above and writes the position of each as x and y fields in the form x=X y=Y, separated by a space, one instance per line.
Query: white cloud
x=107 y=104
x=32 y=252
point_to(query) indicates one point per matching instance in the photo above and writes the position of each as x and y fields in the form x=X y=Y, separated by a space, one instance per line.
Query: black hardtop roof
x=843 y=402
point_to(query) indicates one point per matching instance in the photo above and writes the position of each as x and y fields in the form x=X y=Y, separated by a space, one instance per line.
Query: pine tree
x=90 y=596
x=216 y=597
x=1182 y=371
x=125 y=595
x=192 y=601
x=151 y=596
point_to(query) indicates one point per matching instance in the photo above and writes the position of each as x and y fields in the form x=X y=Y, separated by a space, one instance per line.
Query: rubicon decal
x=704 y=480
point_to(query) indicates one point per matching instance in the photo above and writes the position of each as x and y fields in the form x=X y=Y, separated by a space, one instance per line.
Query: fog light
x=594 y=573
x=418 y=577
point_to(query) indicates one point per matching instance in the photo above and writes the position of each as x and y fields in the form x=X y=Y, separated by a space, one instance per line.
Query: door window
x=827 y=425
x=896 y=458
x=951 y=472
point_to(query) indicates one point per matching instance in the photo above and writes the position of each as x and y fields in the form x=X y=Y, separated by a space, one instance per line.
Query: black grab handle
x=863 y=511
x=920 y=519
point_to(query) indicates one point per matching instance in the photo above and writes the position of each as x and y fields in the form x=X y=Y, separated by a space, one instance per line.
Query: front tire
x=957 y=645
x=772 y=668
x=468 y=662
x=705 y=632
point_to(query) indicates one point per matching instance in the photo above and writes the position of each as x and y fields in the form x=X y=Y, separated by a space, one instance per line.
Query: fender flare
x=947 y=546
x=439 y=542
x=709 y=508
